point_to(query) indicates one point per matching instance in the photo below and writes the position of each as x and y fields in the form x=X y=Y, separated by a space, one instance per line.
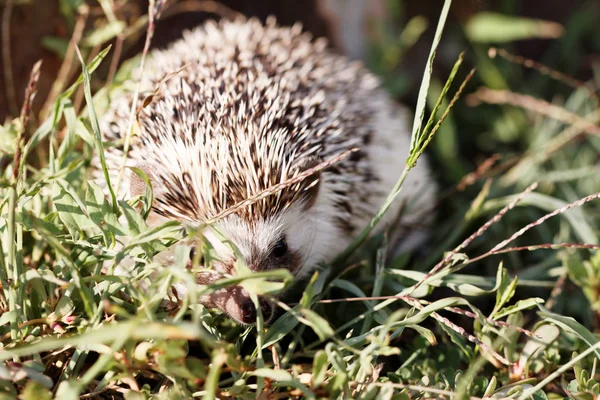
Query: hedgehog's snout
x=236 y=302
x=248 y=310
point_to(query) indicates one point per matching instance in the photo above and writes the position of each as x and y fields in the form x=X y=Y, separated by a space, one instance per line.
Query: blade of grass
x=110 y=333
x=51 y=123
x=413 y=156
x=14 y=267
x=96 y=128
x=424 y=89
x=152 y=17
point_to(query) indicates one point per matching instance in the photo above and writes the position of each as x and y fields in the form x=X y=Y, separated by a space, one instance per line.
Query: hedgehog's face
x=293 y=238
x=282 y=241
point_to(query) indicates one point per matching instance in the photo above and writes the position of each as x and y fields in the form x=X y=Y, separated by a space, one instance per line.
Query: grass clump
x=486 y=313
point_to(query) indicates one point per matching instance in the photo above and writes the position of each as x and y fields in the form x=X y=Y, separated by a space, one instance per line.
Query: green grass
x=504 y=301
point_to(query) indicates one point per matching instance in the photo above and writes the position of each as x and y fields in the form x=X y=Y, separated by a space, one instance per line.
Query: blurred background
x=392 y=36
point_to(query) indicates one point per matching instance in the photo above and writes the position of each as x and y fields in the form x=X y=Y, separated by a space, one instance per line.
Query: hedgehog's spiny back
x=248 y=103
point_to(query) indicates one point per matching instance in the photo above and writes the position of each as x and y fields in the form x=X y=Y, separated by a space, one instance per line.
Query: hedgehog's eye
x=193 y=252
x=280 y=249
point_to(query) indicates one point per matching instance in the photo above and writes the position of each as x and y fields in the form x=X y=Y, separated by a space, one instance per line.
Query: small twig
x=474 y=176
x=351 y=267
x=546 y=246
x=565 y=137
x=114 y=62
x=540 y=155
x=549 y=110
x=207 y=6
x=14 y=270
x=80 y=94
x=9 y=84
x=95 y=394
x=30 y=93
x=476 y=234
x=471 y=338
x=557 y=290
x=461 y=331
x=544 y=218
x=153 y=14
x=541 y=68
x=67 y=64
x=280 y=186
x=276 y=361
x=157 y=92
x=410 y=299
x=37 y=321
x=446 y=112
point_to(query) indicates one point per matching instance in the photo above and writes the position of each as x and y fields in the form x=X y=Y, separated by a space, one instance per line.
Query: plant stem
x=13 y=270
x=367 y=231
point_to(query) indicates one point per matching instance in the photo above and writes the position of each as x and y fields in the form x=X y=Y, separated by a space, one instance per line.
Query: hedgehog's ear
x=142 y=174
x=309 y=186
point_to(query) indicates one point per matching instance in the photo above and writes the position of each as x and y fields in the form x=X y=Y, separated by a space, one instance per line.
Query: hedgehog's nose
x=266 y=309
x=248 y=310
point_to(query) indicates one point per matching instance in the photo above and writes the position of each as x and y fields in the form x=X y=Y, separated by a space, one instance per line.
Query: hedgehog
x=240 y=106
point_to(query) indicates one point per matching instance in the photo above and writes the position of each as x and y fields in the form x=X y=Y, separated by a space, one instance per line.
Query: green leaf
x=458 y=340
x=259 y=281
x=273 y=374
x=458 y=283
x=519 y=306
x=424 y=89
x=75 y=125
x=68 y=390
x=41 y=380
x=64 y=307
x=270 y=283
x=318 y=324
x=424 y=332
x=570 y=325
x=68 y=211
x=171 y=229
x=35 y=391
x=545 y=335
x=309 y=291
x=102 y=35
x=320 y=367
x=50 y=124
x=31 y=223
x=284 y=378
x=135 y=222
x=506 y=291
x=8 y=317
x=111 y=332
x=148 y=196
x=87 y=89
x=425 y=312
x=55 y=44
x=489 y=27
x=101 y=213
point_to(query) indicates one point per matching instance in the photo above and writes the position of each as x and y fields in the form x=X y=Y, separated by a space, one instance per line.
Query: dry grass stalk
x=476 y=234
x=280 y=186
x=530 y=103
